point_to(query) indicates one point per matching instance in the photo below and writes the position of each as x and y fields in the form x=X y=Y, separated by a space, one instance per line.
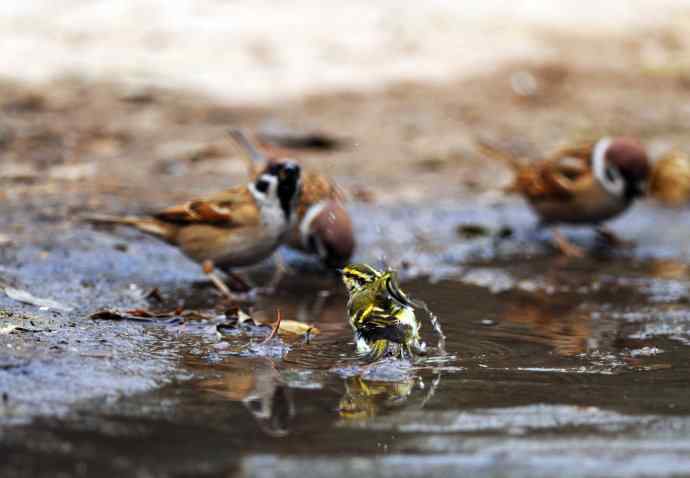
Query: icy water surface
x=568 y=368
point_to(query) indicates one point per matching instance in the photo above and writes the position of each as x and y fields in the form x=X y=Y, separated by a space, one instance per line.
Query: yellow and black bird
x=381 y=315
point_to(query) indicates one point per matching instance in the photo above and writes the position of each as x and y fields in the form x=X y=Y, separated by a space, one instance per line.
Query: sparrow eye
x=262 y=185
x=255 y=405
x=610 y=175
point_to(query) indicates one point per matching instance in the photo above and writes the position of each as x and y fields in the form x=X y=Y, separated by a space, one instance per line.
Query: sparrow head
x=359 y=276
x=326 y=230
x=629 y=158
x=280 y=180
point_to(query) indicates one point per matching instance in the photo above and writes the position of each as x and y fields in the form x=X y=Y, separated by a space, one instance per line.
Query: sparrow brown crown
x=630 y=157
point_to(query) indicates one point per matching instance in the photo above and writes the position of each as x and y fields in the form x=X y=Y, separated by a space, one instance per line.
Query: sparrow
x=382 y=317
x=585 y=184
x=670 y=179
x=238 y=227
x=323 y=226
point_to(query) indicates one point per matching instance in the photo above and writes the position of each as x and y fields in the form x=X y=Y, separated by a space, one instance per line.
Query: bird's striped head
x=358 y=276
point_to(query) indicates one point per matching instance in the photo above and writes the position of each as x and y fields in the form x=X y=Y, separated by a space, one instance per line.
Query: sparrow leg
x=612 y=239
x=209 y=269
x=280 y=270
x=278 y=273
x=238 y=282
x=565 y=246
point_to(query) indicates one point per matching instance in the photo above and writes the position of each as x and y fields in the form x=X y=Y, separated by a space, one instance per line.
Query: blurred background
x=264 y=51
x=158 y=83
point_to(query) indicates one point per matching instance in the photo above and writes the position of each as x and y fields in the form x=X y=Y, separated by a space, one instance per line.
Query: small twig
x=276 y=326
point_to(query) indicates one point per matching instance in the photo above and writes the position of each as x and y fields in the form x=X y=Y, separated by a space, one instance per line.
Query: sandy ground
x=248 y=51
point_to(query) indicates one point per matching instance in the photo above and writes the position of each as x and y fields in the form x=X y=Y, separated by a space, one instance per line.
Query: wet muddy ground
x=567 y=367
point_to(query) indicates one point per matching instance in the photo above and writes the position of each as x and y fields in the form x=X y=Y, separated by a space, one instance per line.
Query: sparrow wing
x=563 y=175
x=230 y=208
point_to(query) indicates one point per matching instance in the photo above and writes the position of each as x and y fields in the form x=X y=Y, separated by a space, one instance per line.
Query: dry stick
x=276 y=326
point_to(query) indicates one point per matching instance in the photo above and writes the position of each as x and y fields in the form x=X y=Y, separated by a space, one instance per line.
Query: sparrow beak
x=642 y=187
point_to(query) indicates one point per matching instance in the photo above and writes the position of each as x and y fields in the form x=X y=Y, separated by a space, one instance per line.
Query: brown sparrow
x=234 y=228
x=670 y=179
x=587 y=183
x=323 y=226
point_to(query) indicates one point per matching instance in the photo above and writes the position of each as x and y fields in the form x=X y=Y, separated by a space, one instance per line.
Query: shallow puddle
x=574 y=368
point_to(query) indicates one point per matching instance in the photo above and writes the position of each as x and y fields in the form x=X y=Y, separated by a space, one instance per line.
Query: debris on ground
x=278 y=135
x=27 y=298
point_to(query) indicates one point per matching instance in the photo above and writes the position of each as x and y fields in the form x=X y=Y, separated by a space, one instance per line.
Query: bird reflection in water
x=256 y=384
x=563 y=326
x=365 y=398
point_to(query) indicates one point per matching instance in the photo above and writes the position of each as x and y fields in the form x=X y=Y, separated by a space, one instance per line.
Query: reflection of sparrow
x=562 y=327
x=234 y=228
x=323 y=225
x=381 y=315
x=587 y=183
x=256 y=384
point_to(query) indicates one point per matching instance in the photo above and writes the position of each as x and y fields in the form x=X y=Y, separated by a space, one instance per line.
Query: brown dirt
x=73 y=146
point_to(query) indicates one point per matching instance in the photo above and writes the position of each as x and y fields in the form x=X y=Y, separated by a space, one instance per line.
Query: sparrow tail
x=147 y=225
x=516 y=164
x=252 y=157
x=494 y=152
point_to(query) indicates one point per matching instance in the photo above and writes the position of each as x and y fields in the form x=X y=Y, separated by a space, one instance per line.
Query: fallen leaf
x=154 y=294
x=18 y=172
x=26 y=298
x=10 y=329
x=237 y=316
x=297 y=328
x=276 y=134
x=72 y=172
x=7 y=329
x=136 y=315
x=471 y=231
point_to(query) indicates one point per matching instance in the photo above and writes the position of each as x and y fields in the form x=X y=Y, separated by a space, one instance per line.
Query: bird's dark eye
x=356 y=279
x=262 y=185
x=255 y=405
x=612 y=174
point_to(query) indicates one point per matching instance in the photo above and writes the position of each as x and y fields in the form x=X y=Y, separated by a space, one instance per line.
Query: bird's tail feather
x=518 y=165
x=253 y=158
x=147 y=225
x=378 y=350
x=493 y=152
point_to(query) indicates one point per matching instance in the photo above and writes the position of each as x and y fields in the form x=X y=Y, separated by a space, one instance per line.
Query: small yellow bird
x=381 y=315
